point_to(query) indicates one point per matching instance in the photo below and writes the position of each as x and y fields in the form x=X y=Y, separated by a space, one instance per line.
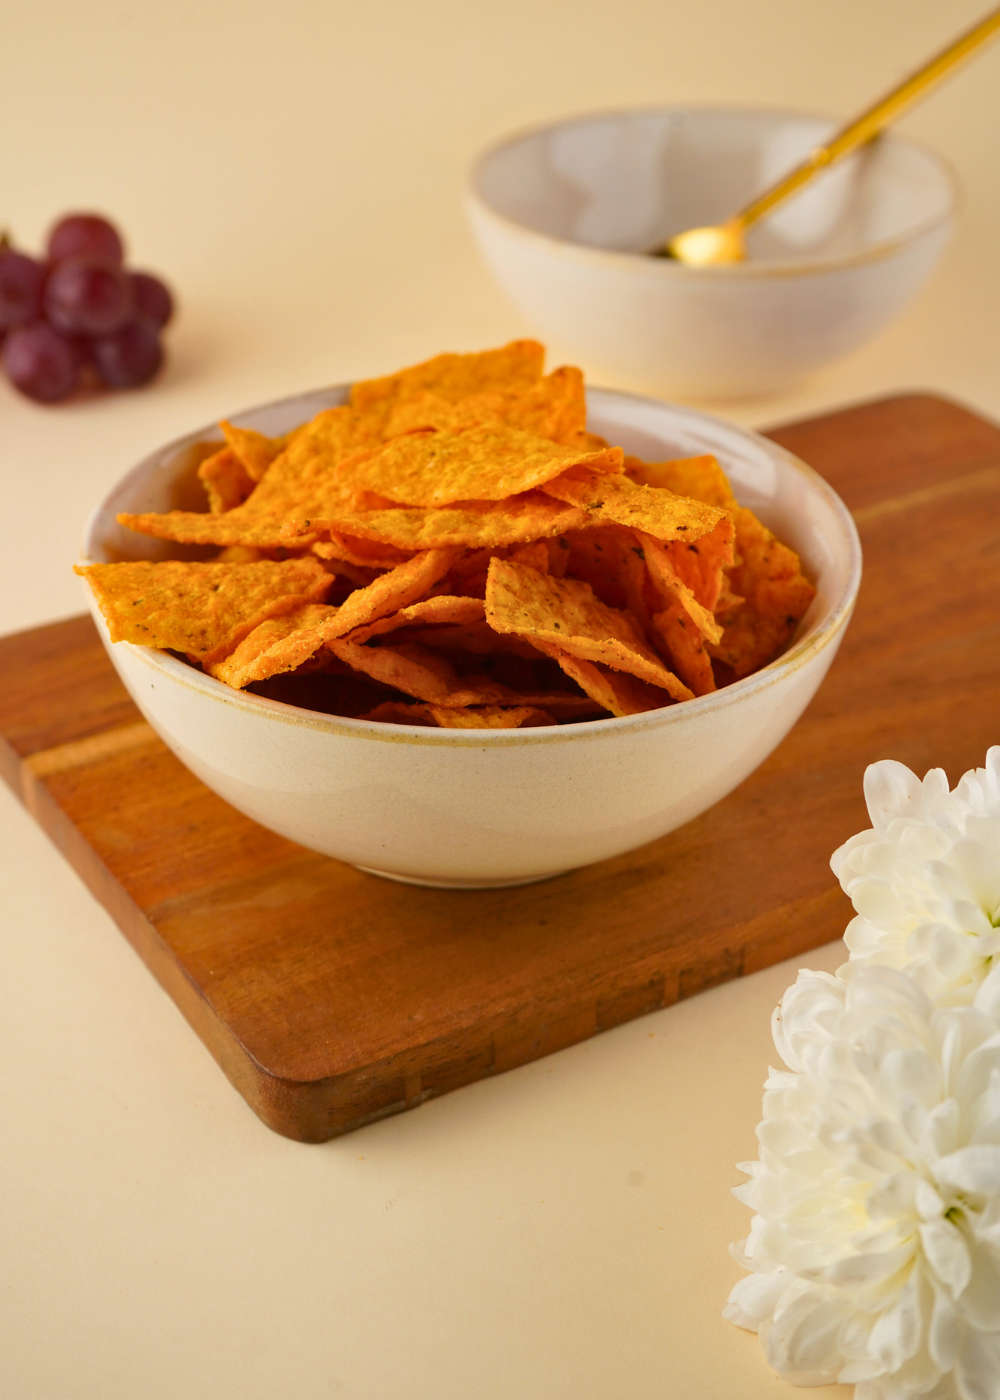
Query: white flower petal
x=927 y=1201
x=987 y=998
x=975 y=1169
x=892 y=791
x=756 y=1297
x=803 y=1339
x=948 y=1254
x=945 y=1332
x=979 y=1305
x=977 y=1371
x=897 y=1333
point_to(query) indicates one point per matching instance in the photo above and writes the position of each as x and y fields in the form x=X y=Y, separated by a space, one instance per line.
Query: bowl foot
x=460 y=884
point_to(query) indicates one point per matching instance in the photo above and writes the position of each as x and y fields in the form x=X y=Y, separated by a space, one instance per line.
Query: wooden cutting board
x=331 y=998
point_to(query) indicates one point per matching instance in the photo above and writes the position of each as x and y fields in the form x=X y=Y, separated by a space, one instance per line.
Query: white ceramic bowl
x=566 y=213
x=475 y=808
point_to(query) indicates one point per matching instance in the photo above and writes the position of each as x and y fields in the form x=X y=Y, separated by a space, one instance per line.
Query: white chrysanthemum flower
x=875 y=1247
x=926 y=880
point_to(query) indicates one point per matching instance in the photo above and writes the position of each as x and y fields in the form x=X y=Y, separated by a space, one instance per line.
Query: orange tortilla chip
x=278 y=645
x=701 y=478
x=704 y=480
x=472 y=638
x=364 y=554
x=703 y=565
x=610 y=559
x=672 y=589
x=554 y=408
x=616 y=499
x=473 y=524
x=454 y=376
x=253 y=449
x=616 y=691
x=272 y=650
x=226 y=480
x=769 y=578
x=683 y=641
x=478 y=717
x=302 y=481
x=565 y=613
x=486 y=463
x=419 y=672
x=201 y=609
x=440 y=609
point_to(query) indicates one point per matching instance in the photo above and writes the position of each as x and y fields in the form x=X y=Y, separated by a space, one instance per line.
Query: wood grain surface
x=331 y=998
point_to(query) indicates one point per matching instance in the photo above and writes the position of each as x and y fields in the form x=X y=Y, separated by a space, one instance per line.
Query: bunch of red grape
x=79 y=313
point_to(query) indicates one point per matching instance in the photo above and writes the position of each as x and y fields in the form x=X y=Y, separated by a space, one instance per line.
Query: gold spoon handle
x=871 y=122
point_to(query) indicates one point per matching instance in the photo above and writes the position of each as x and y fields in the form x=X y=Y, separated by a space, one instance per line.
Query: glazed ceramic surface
x=468 y=808
x=566 y=214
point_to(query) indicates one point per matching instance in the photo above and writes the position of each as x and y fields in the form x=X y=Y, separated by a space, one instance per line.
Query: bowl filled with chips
x=471 y=624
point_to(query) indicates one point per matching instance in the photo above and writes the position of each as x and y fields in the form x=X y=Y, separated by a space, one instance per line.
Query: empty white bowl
x=565 y=216
x=471 y=808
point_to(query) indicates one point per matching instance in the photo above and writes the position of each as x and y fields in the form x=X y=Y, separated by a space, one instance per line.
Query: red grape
x=129 y=357
x=85 y=296
x=40 y=362
x=85 y=235
x=152 y=298
x=21 y=280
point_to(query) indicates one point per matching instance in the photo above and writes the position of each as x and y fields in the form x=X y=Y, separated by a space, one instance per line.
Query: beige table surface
x=561 y=1231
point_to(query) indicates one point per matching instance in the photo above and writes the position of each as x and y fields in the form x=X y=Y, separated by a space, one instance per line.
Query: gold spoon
x=718 y=244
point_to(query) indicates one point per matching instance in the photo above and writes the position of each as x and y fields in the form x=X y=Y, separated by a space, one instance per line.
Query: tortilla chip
x=704 y=565
x=554 y=408
x=278 y=645
x=479 y=717
x=684 y=643
x=474 y=524
x=485 y=463
x=701 y=478
x=440 y=609
x=472 y=639
x=201 y=609
x=704 y=480
x=770 y=579
x=454 y=376
x=302 y=481
x=565 y=613
x=536 y=555
x=364 y=554
x=226 y=480
x=272 y=650
x=616 y=499
x=671 y=588
x=239 y=554
x=616 y=691
x=253 y=449
x=419 y=672
x=610 y=559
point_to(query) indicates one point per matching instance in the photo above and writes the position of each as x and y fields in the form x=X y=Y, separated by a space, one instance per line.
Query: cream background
x=295 y=170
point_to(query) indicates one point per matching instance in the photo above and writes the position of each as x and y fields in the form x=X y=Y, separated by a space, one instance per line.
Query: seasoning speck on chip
x=453 y=549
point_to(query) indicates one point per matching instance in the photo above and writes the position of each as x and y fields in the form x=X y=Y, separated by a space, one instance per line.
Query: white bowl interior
x=628 y=181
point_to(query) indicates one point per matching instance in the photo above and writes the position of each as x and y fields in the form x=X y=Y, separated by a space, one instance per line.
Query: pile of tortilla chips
x=453 y=548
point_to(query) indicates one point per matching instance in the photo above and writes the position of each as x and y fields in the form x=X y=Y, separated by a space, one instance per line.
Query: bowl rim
x=793 y=266
x=826 y=633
